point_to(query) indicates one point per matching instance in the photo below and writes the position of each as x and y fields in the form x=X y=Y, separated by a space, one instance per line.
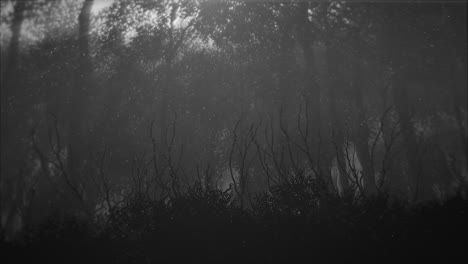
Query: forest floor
x=200 y=234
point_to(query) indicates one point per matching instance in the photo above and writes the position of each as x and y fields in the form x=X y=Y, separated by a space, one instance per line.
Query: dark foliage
x=297 y=219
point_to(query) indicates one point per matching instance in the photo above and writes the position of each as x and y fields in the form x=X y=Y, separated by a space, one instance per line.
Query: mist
x=232 y=128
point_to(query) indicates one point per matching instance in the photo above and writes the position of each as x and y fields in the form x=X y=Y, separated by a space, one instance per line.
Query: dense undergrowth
x=293 y=222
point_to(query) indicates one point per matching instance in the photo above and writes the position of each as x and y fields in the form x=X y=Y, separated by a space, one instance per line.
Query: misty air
x=216 y=131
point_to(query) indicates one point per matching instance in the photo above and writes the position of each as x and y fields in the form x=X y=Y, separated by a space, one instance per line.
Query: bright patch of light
x=99 y=5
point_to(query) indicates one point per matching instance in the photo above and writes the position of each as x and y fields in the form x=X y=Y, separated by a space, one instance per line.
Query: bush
x=297 y=217
x=300 y=196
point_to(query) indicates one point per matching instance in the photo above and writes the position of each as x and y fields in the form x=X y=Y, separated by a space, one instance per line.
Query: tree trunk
x=363 y=145
x=338 y=138
x=168 y=78
x=76 y=142
x=362 y=135
x=9 y=109
x=285 y=91
x=311 y=87
x=400 y=96
x=395 y=40
x=456 y=62
x=457 y=94
x=8 y=72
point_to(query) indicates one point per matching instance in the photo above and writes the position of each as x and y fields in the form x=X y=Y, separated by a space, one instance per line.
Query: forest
x=144 y=131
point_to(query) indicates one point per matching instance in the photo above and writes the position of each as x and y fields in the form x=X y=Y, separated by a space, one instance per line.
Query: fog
x=104 y=103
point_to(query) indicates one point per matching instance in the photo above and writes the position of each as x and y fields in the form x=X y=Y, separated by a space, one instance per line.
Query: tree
x=77 y=148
